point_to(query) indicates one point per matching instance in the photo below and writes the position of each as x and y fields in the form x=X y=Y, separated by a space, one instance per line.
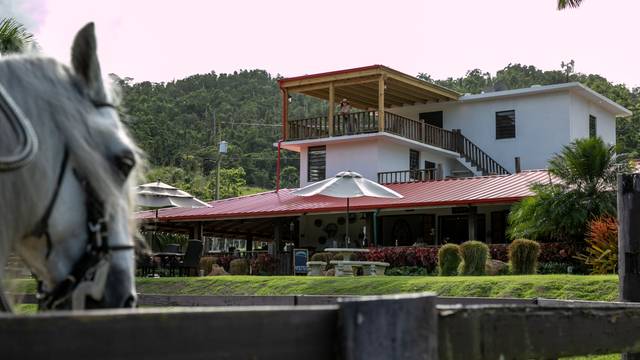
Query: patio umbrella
x=347 y=184
x=160 y=195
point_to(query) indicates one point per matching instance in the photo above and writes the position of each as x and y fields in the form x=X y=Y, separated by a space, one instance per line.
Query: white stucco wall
x=369 y=157
x=542 y=126
x=580 y=111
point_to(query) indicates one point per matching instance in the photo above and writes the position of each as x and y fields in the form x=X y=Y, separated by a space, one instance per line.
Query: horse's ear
x=84 y=59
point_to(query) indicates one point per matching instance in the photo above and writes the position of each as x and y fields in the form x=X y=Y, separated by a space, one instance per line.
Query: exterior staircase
x=475 y=159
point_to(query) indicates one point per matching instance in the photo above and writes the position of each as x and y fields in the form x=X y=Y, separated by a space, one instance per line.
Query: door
x=454 y=229
x=433 y=118
x=430 y=229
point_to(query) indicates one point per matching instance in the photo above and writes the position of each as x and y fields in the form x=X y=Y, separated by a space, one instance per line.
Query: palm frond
x=13 y=36
x=563 y=4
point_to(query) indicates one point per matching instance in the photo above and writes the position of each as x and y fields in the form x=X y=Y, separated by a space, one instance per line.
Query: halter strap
x=42 y=227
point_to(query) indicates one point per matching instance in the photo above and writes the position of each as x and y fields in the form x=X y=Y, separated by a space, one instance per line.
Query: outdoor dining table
x=346 y=252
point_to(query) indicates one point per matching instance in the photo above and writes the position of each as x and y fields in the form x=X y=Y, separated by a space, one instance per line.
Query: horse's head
x=79 y=243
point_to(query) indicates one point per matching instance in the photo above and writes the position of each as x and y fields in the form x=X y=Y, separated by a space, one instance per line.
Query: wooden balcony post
x=381 y=103
x=332 y=106
x=285 y=113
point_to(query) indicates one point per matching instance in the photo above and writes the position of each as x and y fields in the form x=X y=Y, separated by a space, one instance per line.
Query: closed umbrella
x=347 y=184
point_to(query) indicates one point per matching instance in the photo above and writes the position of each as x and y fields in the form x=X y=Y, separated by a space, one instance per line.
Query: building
x=460 y=160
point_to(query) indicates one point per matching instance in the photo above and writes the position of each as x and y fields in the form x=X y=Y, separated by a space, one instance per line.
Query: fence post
x=629 y=242
x=389 y=327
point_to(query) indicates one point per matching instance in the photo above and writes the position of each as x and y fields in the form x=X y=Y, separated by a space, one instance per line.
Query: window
x=317 y=163
x=506 y=124
x=414 y=159
x=592 y=126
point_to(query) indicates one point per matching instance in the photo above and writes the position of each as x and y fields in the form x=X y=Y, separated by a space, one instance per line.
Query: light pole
x=222 y=149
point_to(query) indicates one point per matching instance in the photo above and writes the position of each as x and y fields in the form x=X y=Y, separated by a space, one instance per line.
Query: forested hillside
x=174 y=122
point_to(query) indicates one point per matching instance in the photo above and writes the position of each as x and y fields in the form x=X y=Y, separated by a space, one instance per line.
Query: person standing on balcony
x=345 y=110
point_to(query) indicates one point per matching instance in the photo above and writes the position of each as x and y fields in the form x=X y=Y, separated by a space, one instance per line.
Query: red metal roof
x=450 y=192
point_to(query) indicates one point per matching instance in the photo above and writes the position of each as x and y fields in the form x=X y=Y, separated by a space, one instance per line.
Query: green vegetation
x=14 y=38
x=474 y=256
x=576 y=287
x=561 y=210
x=449 y=260
x=523 y=256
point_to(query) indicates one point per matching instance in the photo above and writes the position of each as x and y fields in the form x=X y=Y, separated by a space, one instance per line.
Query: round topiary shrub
x=239 y=267
x=474 y=257
x=523 y=256
x=449 y=260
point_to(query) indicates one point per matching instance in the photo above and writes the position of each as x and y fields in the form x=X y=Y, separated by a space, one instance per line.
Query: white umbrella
x=159 y=195
x=347 y=184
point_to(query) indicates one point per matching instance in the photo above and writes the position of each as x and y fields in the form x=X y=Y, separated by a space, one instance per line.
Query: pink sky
x=164 y=40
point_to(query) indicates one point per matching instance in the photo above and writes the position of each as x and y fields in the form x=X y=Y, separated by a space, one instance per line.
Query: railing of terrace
x=419 y=131
x=407 y=176
x=309 y=128
x=355 y=123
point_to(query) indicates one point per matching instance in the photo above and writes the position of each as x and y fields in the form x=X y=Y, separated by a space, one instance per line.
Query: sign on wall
x=300 y=258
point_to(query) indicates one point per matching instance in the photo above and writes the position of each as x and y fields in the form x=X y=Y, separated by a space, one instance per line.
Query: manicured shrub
x=474 y=257
x=239 y=267
x=206 y=263
x=426 y=257
x=225 y=261
x=322 y=256
x=601 y=253
x=264 y=264
x=449 y=260
x=523 y=256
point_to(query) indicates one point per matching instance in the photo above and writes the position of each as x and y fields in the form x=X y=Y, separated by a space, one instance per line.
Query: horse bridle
x=89 y=274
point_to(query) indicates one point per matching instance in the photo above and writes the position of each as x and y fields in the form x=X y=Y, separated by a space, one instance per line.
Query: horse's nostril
x=129 y=302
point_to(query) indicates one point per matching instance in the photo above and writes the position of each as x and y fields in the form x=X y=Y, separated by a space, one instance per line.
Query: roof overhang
x=360 y=87
x=574 y=87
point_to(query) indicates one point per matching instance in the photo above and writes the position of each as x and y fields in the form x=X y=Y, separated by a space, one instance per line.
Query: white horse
x=66 y=167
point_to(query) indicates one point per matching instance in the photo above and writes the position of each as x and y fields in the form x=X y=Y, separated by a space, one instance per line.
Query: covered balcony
x=375 y=90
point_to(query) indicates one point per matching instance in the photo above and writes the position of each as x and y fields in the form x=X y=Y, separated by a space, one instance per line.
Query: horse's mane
x=56 y=102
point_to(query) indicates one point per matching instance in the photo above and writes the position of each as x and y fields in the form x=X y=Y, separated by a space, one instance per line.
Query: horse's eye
x=125 y=162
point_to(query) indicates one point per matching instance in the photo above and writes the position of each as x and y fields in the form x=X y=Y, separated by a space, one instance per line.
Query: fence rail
x=480 y=159
x=410 y=326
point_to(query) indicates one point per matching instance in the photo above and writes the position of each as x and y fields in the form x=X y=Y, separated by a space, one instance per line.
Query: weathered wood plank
x=199 y=333
x=389 y=327
x=532 y=332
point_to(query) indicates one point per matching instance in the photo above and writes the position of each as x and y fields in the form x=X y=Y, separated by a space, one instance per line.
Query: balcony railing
x=408 y=176
x=367 y=122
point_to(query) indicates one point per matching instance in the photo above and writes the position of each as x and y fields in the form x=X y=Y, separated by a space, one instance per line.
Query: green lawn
x=578 y=287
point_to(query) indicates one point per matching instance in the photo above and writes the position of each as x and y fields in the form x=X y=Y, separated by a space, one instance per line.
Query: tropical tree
x=563 y=4
x=14 y=38
x=581 y=188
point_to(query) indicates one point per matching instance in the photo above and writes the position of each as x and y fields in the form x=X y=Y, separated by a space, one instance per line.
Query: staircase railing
x=478 y=158
x=419 y=131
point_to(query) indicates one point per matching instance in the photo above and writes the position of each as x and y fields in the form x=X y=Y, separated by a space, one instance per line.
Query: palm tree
x=563 y=4
x=583 y=189
x=14 y=38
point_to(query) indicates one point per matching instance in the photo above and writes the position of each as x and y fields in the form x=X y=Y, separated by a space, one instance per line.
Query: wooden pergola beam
x=326 y=85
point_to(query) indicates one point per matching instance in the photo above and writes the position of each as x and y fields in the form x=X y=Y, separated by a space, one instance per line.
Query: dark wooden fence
x=412 y=326
x=406 y=176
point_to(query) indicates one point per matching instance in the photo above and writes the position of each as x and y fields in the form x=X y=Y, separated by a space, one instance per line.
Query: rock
x=496 y=267
x=239 y=267
x=217 y=270
x=330 y=272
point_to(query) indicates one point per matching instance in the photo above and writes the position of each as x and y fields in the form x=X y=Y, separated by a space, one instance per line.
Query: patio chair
x=145 y=265
x=191 y=260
